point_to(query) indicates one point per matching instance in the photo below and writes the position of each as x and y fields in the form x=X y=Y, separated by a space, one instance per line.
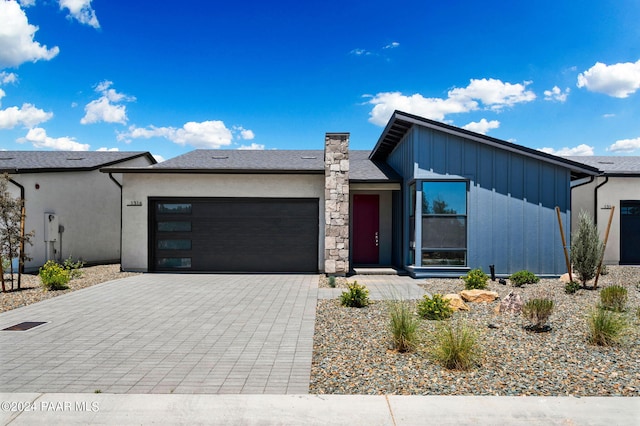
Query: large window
x=444 y=223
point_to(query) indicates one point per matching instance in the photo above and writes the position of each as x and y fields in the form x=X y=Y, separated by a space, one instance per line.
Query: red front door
x=366 y=229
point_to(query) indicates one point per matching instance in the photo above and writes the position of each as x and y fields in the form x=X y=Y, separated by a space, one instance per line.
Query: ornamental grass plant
x=606 y=328
x=403 y=325
x=455 y=346
x=614 y=298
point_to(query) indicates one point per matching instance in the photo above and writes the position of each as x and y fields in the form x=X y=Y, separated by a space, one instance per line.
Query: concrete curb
x=395 y=410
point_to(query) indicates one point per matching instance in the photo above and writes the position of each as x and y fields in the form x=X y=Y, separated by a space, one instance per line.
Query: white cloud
x=617 y=80
x=8 y=77
x=483 y=126
x=392 y=45
x=38 y=137
x=493 y=94
x=360 y=52
x=16 y=38
x=81 y=10
x=27 y=116
x=243 y=133
x=582 y=149
x=106 y=107
x=257 y=146
x=556 y=94
x=206 y=134
x=608 y=115
x=625 y=145
x=159 y=158
x=108 y=149
x=27 y=3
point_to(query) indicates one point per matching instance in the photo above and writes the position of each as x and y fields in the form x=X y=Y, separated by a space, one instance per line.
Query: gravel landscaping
x=31 y=292
x=352 y=352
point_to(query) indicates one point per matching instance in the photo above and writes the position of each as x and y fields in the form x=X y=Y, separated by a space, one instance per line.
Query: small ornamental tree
x=586 y=249
x=12 y=238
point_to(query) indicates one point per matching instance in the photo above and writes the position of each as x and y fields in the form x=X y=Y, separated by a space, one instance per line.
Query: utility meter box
x=51 y=225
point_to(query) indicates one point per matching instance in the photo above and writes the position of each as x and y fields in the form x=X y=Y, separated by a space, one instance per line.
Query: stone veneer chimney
x=336 y=203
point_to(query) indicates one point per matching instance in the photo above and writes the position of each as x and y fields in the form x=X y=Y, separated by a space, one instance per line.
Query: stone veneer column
x=336 y=203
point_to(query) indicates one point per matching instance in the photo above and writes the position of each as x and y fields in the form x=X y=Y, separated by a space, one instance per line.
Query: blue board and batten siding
x=511 y=218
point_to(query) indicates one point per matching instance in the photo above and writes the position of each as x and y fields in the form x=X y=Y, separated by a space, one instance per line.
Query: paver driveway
x=165 y=333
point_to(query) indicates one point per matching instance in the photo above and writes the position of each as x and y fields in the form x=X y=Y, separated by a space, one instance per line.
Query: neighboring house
x=72 y=207
x=618 y=186
x=430 y=198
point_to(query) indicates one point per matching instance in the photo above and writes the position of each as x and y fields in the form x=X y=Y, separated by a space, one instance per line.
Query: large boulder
x=477 y=295
x=511 y=304
x=456 y=302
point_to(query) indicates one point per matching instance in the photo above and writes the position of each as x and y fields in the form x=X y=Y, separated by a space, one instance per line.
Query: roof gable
x=401 y=122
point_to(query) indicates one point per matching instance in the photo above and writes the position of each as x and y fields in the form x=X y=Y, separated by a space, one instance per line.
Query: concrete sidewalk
x=119 y=409
x=381 y=287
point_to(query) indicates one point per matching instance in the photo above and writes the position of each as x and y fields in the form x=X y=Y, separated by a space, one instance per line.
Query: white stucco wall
x=138 y=187
x=610 y=194
x=87 y=205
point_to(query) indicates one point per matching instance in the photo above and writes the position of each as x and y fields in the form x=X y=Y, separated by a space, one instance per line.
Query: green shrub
x=606 y=328
x=604 y=270
x=53 y=276
x=613 y=298
x=434 y=308
x=455 y=346
x=356 y=296
x=332 y=281
x=475 y=279
x=521 y=278
x=74 y=268
x=538 y=311
x=586 y=250
x=403 y=325
x=571 y=287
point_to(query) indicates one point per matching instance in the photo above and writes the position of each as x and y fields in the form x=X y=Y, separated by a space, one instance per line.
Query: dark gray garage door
x=629 y=232
x=233 y=234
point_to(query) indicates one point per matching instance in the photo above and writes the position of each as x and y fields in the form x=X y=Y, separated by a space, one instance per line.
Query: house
x=617 y=189
x=430 y=198
x=72 y=207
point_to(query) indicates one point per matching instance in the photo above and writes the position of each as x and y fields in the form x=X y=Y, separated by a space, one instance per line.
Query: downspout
x=120 y=236
x=22 y=225
x=595 y=200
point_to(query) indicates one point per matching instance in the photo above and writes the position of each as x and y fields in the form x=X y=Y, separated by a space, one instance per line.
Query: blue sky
x=169 y=77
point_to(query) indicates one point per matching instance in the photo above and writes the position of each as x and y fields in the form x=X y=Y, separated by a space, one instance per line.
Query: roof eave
x=211 y=171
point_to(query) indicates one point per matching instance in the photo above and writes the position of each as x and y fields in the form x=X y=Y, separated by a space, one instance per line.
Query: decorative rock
x=512 y=304
x=456 y=302
x=502 y=281
x=564 y=278
x=477 y=295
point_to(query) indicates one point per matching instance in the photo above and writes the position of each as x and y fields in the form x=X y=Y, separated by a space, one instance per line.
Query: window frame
x=419 y=215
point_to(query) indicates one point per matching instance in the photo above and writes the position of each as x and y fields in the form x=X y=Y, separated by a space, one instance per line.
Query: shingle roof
x=361 y=168
x=43 y=161
x=610 y=164
x=246 y=160
x=267 y=161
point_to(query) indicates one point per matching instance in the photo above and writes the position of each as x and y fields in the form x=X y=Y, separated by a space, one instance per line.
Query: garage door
x=234 y=234
x=629 y=232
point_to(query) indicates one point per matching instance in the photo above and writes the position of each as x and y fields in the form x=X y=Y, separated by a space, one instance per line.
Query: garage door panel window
x=174 y=208
x=174 y=244
x=174 y=226
x=174 y=262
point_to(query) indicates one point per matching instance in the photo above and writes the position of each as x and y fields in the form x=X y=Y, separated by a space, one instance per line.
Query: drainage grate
x=24 y=326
